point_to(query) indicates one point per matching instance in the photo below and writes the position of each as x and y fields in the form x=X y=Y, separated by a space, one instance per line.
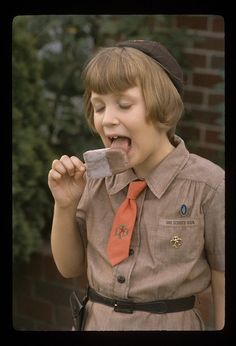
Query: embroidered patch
x=121 y=231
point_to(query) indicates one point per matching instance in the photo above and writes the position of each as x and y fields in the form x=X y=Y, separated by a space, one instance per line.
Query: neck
x=163 y=149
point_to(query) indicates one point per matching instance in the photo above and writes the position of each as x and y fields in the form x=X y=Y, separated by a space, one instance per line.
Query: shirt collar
x=161 y=176
x=119 y=181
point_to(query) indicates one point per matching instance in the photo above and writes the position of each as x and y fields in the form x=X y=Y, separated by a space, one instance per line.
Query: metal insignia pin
x=183 y=210
x=176 y=242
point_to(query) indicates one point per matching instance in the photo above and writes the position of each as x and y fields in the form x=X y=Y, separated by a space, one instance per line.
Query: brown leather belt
x=155 y=307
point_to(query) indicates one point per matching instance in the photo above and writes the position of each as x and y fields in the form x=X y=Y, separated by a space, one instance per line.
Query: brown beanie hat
x=159 y=53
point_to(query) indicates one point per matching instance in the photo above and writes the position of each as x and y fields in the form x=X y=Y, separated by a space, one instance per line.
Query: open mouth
x=120 y=142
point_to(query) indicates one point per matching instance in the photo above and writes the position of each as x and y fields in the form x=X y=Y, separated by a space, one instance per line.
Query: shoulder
x=94 y=184
x=93 y=188
x=202 y=170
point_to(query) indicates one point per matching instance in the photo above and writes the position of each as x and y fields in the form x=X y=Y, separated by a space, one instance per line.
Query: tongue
x=121 y=143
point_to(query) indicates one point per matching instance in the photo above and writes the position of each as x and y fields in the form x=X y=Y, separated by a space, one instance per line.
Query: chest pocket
x=179 y=240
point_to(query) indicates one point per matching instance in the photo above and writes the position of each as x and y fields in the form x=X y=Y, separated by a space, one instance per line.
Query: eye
x=124 y=105
x=98 y=109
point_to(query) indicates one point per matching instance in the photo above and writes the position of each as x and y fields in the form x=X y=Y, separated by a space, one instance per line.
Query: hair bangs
x=111 y=71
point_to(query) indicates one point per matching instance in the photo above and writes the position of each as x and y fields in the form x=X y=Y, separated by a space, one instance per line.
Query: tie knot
x=135 y=188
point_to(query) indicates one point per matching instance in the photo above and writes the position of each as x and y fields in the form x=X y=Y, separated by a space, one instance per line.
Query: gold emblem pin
x=176 y=242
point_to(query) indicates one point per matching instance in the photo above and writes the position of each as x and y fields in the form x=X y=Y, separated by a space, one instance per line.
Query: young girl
x=133 y=100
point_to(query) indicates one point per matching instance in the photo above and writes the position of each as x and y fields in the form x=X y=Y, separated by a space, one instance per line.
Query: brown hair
x=116 y=69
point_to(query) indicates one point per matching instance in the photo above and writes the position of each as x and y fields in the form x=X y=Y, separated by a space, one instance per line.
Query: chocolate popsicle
x=106 y=162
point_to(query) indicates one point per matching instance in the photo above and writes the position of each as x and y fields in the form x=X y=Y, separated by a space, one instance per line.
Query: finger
x=68 y=164
x=58 y=166
x=80 y=169
x=54 y=175
x=80 y=166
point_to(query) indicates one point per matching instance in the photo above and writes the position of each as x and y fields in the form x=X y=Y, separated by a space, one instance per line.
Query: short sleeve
x=215 y=229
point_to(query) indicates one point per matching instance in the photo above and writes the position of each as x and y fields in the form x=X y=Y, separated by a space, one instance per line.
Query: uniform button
x=131 y=252
x=121 y=279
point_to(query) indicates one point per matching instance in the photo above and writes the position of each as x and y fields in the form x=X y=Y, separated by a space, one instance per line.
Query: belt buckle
x=124 y=307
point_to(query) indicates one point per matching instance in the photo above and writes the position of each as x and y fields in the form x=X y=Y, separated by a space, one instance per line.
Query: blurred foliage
x=31 y=147
x=49 y=52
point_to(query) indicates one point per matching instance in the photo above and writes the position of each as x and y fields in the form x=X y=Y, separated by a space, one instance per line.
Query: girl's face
x=121 y=121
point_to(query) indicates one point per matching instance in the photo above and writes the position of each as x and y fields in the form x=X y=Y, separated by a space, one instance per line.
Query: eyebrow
x=118 y=94
x=95 y=98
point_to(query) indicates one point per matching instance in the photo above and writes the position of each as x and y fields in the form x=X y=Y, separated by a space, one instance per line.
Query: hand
x=66 y=180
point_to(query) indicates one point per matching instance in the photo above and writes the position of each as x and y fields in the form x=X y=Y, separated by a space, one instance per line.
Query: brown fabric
x=160 y=266
x=159 y=53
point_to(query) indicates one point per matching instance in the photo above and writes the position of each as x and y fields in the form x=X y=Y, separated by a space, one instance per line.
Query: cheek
x=97 y=124
x=145 y=139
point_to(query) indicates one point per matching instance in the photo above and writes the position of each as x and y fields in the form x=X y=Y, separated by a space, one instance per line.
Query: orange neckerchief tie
x=123 y=225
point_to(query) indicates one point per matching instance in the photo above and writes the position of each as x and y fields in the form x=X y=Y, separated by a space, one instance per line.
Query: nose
x=110 y=118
